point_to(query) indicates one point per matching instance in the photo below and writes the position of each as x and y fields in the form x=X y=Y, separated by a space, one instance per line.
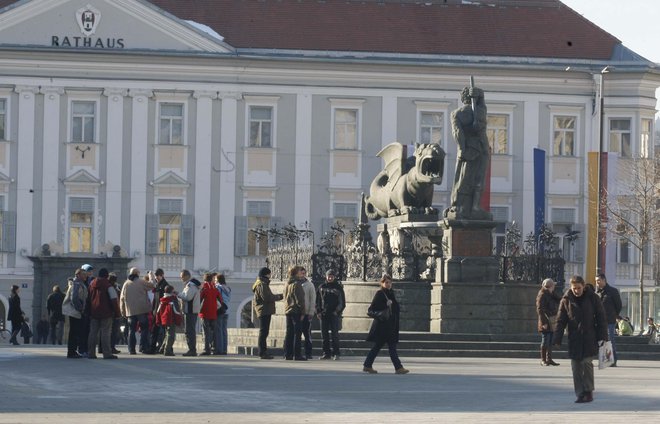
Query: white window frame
x=180 y=226
x=504 y=109
x=5 y=117
x=97 y=126
x=497 y=130
x=567 y=111
x=564 y=131
x=501 y=235
x=92 y=224
x=159 y=105
x=346 y=104
x=171 y=98
x=261 y=101
x=432 y=107
x=630 y=132
x=568 y=248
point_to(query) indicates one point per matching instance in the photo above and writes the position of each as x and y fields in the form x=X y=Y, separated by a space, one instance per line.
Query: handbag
x=382 y=315
x=605 y=355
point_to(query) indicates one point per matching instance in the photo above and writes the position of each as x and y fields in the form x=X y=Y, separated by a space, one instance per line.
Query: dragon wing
x=394 y=156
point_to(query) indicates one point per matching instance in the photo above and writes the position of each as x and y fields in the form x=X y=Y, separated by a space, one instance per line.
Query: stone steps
x=445 y=345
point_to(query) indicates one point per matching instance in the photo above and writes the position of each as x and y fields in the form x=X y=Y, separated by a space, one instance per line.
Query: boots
x=548 y=358
x=544 y=353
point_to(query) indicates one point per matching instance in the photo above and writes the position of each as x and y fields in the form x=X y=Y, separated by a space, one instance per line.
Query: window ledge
x=263 y=149
x=170 y=145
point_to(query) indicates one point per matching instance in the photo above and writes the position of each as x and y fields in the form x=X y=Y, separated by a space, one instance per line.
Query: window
x=261 y=124
x=498 y=133
x=169 y=226
x=623 y=252
x=501 y=217
x=171 y=123
x=83 y=122
x=81 y=218
x=170 y=232
x=430 y=127
x=346 y=127
x=7 y=228
x=563 y=142
x=258 y=215
x=620 y=137
x=3 y=119
x=645 y=142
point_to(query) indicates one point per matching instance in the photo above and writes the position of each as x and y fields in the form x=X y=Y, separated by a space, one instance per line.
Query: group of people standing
x=589 y=315
x=303 y=301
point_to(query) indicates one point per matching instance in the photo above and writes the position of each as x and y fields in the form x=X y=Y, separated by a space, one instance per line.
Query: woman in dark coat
x=15 y=314
x=582 y=313
x=547 y=304
x=384 y=310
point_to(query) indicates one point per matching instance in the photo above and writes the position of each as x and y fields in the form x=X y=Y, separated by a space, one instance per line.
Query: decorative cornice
x=140 y=93
x=230 y=95
x=202 y=94
x=114 y=91
x=51 y=90
x=28 y=89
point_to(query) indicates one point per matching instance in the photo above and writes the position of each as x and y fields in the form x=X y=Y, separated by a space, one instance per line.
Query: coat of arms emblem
x=88 y=19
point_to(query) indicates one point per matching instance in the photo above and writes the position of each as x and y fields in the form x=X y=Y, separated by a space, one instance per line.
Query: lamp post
x=601 y=216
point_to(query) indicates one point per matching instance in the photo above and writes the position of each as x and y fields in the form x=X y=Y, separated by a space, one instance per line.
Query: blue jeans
x=610 y=335
x=394 y=356
x=143 y=320
x=546 y=339
x=221 y=332
x=307 y=332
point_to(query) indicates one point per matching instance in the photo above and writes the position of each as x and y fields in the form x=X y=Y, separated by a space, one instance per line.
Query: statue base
x=467 y=248
x=483 y=308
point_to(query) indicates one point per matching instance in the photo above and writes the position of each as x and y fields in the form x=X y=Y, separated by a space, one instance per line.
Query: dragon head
x=429 y=163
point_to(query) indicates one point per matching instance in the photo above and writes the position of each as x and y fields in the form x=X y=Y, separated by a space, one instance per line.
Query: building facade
x=170 y=129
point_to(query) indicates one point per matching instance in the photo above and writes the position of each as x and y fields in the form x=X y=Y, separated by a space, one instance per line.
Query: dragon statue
x=405 y=185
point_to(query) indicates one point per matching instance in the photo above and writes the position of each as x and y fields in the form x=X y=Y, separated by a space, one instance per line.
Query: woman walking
x=15 y=314
x=547 y=303
x=582 y=313
x=384 y=309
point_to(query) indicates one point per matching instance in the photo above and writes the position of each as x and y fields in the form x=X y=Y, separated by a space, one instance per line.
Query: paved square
x=40 y=385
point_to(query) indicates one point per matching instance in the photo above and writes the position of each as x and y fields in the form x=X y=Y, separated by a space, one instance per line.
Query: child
x=26 y=331
x=169 y=316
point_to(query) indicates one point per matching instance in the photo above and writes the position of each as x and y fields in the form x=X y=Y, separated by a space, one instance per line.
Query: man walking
x=612 y=304
x=103 y=308
x=330 y=302
x=190 y=298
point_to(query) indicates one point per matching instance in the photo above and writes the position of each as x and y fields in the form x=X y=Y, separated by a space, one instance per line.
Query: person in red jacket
x=210 y=299
x=103 y=307
x=169 y=316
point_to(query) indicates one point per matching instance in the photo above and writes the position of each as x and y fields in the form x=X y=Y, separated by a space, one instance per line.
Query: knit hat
x=264 y=272
x=330 y=272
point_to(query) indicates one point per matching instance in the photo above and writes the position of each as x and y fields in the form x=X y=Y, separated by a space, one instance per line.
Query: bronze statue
x=468 y=124
x=405 y=185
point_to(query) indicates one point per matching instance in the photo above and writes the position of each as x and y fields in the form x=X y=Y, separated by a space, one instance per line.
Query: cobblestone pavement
x=39 y=385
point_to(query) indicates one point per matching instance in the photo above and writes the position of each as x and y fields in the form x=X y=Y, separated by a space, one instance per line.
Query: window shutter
x=240 y=235
x=187 y=235
x=580 y=242
x=8 y=231
x=151 y=237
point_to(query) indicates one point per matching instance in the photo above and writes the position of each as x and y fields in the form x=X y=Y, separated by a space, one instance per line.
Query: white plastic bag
x=605 y=355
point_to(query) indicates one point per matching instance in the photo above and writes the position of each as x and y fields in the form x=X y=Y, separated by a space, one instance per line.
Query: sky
x=635 y=22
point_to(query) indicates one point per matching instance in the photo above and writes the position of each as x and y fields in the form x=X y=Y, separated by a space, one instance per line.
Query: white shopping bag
x=605 y=355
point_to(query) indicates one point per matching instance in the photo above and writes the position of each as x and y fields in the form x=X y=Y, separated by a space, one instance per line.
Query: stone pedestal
x=467 y=250
x=483 y=308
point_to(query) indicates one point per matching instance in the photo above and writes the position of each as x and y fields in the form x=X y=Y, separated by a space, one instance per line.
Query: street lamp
x=601 y=216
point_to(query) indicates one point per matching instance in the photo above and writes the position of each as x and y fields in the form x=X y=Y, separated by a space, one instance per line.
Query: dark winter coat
x=103 y=301
x=15 y=313
x=330 y=299
x=384 y=331
x=611 y=302
x=264 y=299
x=547 y=305
x=159 y=292
x=584 y=318
x=54 y=304
x=294 y=296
